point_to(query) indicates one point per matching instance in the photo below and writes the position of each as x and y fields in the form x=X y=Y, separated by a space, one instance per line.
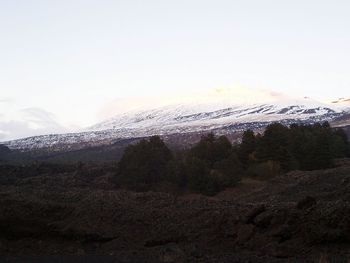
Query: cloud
x=2 y=136
x=6 y=100
x=28 y=122
x=39 y=118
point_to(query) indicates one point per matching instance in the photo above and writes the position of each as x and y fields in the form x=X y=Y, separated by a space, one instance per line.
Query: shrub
x=264 y=170
x=213 y=163
x=229 y=171
x=247 y=147
x=143 y=164
x=198 y=176
x=211 y=149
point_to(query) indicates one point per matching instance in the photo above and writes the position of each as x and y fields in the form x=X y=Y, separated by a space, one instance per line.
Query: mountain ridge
x=222 y=111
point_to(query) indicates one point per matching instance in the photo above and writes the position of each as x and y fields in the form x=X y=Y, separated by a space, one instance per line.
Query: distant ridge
x=223 y=111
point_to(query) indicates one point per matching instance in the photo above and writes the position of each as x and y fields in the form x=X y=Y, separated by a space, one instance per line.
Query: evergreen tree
x=340 y=144
x=212 y=149
x=144 y=163
x=247 y=147
x=274 y=146
x=199 y=177
x=230 y=170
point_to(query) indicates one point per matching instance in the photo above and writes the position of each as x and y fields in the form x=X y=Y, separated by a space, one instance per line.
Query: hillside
x=55 y=209
x=221 y=111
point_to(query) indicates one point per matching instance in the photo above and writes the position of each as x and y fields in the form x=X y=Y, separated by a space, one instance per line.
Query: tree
x=212 y=149
x=212 y=165
x=143 y=164
x=340 y=144
x=230 y=170
x=199 y=177
x=274 y=146
x=322 y=151
x=247 y=147
x=176 y=171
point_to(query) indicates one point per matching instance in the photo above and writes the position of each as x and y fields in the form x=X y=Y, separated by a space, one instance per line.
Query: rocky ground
x=48 y=210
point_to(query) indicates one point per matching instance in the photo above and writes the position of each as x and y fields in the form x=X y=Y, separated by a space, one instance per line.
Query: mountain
x=219 y=110
x=223 y=111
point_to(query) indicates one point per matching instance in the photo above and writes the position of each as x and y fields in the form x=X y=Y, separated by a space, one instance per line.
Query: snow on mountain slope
x=220 y=110
x=217 y=109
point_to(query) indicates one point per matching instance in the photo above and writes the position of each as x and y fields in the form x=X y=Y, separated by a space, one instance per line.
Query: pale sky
x=62 y=61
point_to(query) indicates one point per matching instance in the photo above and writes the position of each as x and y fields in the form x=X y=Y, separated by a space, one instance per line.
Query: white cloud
x=19 y=123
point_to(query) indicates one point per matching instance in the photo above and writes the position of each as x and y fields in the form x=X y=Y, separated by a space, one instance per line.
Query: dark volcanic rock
x=306 y=202
x=62 y=210
x=254 y=213
x=245 y=233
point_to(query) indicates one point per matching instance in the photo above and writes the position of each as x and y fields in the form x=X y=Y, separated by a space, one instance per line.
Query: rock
x=263 y=220
x=58 y=211
x=283 y=233
x=244 y=233
x=249 y=218
x=306 y=202
x=172 y=253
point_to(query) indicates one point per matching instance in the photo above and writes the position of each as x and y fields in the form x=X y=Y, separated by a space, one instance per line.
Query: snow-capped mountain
x=220 y=110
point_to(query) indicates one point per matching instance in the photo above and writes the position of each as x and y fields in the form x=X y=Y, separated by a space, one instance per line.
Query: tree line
x=214 y=163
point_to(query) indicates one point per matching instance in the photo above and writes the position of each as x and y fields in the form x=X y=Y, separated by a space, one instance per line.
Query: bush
x=305 y=147
x=213 y=164
x=208 y=167
x=247 y=147
x=229 y=170
x=264 y=170
x=211 y=149
x=199 y=177
x=176 y=172
x=143 y=164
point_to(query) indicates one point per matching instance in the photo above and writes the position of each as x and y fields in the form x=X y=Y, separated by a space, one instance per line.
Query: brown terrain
x=48 y=210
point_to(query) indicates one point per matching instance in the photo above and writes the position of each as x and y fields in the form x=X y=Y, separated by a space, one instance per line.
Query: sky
x=62 y=61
